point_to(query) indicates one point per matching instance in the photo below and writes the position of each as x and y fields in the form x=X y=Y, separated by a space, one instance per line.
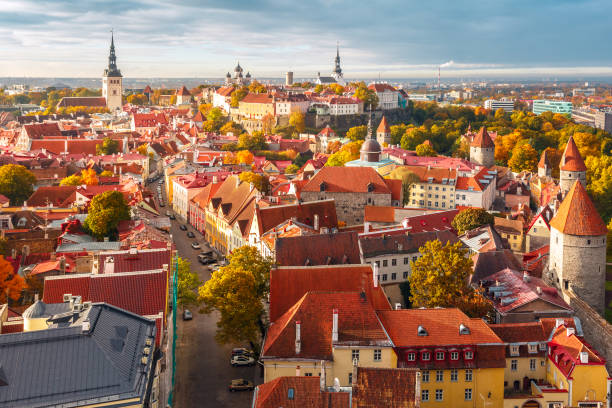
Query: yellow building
x=512 y=231
x=333 y=330
x=574 y=366
x=435 y=188
x=538 y=233
x=256 y=106
x=461 y=359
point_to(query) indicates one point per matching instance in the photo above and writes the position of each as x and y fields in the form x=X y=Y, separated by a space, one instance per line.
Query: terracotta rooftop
x=577 y=214
x=520 y=332
x=566 y=347
x=571 y=159
x=347 y=180
x=381 y=87
x=183 y=91
x=401 y=244
x=257 y=98
x=385 y=387
x=289 y=284
x=383 y=127
x=56 y=195
x=92 y=101
x=436 y=174
x=482 y=139
x=325 y=212
x=332 y=248
x=40 y=130
x=305 y=392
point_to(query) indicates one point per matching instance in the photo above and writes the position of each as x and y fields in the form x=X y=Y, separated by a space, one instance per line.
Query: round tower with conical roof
x=577 y=259
x=482 y=149
x=383 y=133
x=571 y=168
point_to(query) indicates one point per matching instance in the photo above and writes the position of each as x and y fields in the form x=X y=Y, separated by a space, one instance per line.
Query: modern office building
x=597 y=118
x=545 y=105
x=505 y=104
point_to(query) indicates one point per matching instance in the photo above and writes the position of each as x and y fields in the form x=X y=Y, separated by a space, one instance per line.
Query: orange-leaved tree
x=11 y=284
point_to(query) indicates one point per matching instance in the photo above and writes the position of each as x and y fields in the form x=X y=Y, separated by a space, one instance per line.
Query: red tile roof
x=385 y=387
x=357 y=326
x=347 y=180
x=225 y=90
x=306 y=393
x=565 y=351
x=544 y=159
x=73 y=146
x=577 y=214
x=571 y=159
x=40 y=130
x=94 y=101
x=183 y=91
x=520 y=332
x=437 y=174
x=331 y=248
x=289 y=284
x=371 y=246
x=482 y=139
x=56 y=195
x=258 y=98
x=442 y=326
x=149 y=119
x=327 y=131
x=381 y=87
x=383 y=127
x=270 y=217
x=379 y=214
x=134 y=260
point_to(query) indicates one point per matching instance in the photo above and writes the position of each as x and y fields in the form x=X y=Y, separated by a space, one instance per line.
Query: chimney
x=251 y=186
x=316 y=222
x=405 y=223
x=366 y=227
x=355 y=365
x=570 y=331
x=525 y=277
x=322 y=377
x=539 y=290
x=35 y=297
x=237 y=181
x=398 y=306
x=375 y=274
x=335 y=326
x=297 y=371
x=584 y=357
x=417 y=389
x=559 y=321
x=298 y=340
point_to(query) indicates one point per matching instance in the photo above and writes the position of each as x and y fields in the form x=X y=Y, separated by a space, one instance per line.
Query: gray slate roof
x=90 y=246
x=67 y=364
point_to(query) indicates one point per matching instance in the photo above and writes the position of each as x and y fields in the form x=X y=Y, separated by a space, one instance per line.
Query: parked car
x=183 y=227
x=205 y=260
x=241 y=385
x=242 y=361
x=190 y=234
x=187 y=314
x=172 y=217
x=241 y=351
x=195 y=245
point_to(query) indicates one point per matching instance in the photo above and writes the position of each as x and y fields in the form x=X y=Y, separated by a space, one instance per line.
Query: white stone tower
x=544 y=168
x=112 y=81
x=578 y=248
x=482 y=149
x=571 y=168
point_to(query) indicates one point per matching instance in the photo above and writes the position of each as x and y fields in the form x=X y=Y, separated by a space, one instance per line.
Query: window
x=514 y=350
x=543 y=346
x=385 y=263
x=454 y=355
x=308 y=375
x=405 y=274
x=393 y=262
x=350 y=378
x=532 y=364
x=377 y=355
x=439 y=376
x=469 y=355
x=514 y=365
x=411 y=356
x=393 y=276
x=378 y=263
x=425 y=356
x=468 y=374
x=414 y=258
x=454 y=374
x=354 y=355
x=439 y=355
x=468 y=394
x=533 y=348
x=406 y=260
x=384 y=277
x=439 y=394
x=425 y=395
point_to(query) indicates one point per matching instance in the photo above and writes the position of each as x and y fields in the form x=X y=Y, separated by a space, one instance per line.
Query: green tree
x=215 y=119
x=357 y=133
x=408 y=179
x=599 y=184
x=237 y=291
x=254 y=142
x=187 y=284
x=232 y=127
x=397 y=131
x=296 y=119
x=471 y=218
x=104 y=213
x=16 y=183
x=524 y=158
x=108 y=146
x=74 y=180
x=292 y=169
x=425 y=150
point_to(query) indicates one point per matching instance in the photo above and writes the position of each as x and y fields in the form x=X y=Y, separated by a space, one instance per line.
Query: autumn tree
x=104 y=213
x=524 y=158
x=244 y=157
x=89 y=177
x=106 y=173
x=260 y=181
x=267 y=123
x=257 y=87
x=237 y=291
x=348 y=152
x=425 y=150
x=143 y=149
x=408 y=179
x=73 y=180
x=11 y=284
x=471 y=218
x=231 y=127
x=137 y=99
x=187 y=284
x=367 y=96
x=237 y=96
x=16 y=183
x=254 y=142
x=357 y=133
x=292 y=169
x=297 y=120
x=214 y=120
x=397 y=131
x=108 y=146
x=599 y=184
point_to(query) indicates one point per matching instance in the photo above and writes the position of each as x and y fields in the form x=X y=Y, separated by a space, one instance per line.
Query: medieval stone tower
x=112 y=81
x=578 y=248
x=383 y=133
x=571 y=168
x=544 y=167
x=482 y=149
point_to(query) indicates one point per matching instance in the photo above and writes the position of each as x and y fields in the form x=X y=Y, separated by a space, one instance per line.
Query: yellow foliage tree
x=89 y=177
x=244 y=157
x=11 y=284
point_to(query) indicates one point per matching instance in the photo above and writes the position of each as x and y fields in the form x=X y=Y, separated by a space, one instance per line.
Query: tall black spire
x=338 y=70
x=112 y=70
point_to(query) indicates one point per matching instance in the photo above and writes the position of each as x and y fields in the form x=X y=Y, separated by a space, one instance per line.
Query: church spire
x=370 y=134
x=338 y=69
x=112 y=60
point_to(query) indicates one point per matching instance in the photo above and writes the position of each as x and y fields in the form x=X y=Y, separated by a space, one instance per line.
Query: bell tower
x=112 y=81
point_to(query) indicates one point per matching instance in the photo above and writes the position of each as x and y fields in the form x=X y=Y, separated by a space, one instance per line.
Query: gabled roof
x=383 y=127
x=347 y=180
x=40 y=130
x=565 y=349
x=134 y=260
x=482 y=139
x=289 y=284
x=91 y=101
x=327 y=131
x=357 y=326
x=435 y=174
x=520 y=332
x=306 y=392
x=571 y=159
x=487 y=263
x=577 y=214
x=372 y=246
x=544 y=160
x=325 y=210
x=257 y=98
x=381 y=87
x=183 y=91
x=331 y=248
x=56 y=195
x=385 y=387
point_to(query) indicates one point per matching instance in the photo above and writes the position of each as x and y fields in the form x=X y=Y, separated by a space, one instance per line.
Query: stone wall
x=349 y=206
x=344 y=122
x=567 y=179
x=597 y=331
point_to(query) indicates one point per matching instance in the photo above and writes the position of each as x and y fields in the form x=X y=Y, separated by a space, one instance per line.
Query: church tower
x=112 y=81
x=482 y=149
x=337 y=73
x=370 y=149
x=572 y=167
x=577 y=259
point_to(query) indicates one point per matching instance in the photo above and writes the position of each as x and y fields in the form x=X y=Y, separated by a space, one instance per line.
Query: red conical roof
x=544 y=160
x=183 y=91
x=383 y=127
x=572 y=160
x=483 y=139
x=577 y=214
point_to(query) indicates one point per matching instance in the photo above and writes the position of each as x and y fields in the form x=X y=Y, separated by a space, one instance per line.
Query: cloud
x=448 y=64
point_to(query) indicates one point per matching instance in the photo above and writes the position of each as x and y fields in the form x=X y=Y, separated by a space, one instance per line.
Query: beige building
x=435 y=188
x=256 y=106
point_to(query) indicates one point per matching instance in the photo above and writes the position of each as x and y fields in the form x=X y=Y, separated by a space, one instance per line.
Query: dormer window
x=411 y=356
x=322 y=186
x=425 y=355
x=421 y=331
x=370 y=187
x=22 y=222
x=439 y=355
x=454 y=355
x=533 y=348
x=469 y=355
x=514 y=350
x=463 y=329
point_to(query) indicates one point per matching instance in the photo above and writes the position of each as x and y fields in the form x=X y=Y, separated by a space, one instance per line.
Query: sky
x=390 y=39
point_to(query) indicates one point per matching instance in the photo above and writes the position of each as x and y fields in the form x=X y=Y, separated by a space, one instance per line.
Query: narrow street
x=203 y=370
